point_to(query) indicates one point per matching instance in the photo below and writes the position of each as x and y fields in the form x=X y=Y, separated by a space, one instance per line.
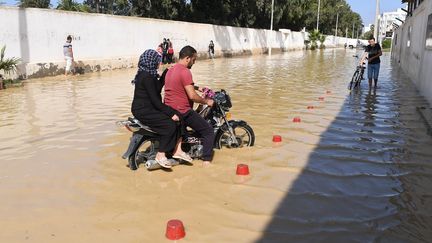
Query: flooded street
x=357 y=168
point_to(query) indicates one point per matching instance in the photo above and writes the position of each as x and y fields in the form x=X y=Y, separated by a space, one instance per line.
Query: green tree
x=213 y=12
x=369 y=34
x=288 y=14
x=243 y=13
x=297 y=14
x=98 y=6
x=121 y=7
x=34 y=3
x=71 y=5
x=161 y=9
x=117 y=7
x=294 y=15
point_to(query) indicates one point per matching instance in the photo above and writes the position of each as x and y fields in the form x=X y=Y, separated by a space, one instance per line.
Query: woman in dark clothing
x=148 y=108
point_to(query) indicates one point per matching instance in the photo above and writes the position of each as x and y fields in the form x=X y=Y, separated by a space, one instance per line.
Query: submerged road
x=357 y=168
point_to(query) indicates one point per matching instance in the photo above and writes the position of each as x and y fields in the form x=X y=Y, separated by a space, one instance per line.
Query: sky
x=366 y=8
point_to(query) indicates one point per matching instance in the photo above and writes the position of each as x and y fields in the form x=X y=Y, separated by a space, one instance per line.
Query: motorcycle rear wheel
x=244 y=134
x=146 y=150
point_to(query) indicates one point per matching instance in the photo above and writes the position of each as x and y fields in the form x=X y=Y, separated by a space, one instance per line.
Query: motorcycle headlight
x=228 y=115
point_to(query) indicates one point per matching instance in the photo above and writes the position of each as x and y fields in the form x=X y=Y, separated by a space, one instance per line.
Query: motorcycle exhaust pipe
x=153 y=165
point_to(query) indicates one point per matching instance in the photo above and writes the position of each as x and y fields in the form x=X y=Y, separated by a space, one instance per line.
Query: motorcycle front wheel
x=146 y=150
x=244 y=135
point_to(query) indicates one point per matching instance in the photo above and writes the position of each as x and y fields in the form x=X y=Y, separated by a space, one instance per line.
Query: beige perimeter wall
x=102 y=42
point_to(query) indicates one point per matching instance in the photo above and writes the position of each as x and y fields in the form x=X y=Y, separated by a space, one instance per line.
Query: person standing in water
x=68 y=55
x=373 y=53
x=211 y=49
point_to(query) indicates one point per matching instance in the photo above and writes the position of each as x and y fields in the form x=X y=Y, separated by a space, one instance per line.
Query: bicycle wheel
x=358 y=80
x=354 y=79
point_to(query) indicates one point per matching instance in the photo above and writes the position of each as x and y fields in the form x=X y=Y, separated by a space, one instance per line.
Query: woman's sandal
x=164 y=163
x=183 y=156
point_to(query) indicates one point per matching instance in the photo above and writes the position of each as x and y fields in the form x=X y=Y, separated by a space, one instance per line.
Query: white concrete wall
x=415 y=59
x=107 y=42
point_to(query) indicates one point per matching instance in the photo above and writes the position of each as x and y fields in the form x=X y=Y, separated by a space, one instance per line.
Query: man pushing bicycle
x=372 y=53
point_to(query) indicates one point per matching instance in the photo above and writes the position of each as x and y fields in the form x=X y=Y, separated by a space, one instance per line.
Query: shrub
x=386 y=44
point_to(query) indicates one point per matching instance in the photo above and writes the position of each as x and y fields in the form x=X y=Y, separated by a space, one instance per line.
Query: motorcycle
x=144 y=144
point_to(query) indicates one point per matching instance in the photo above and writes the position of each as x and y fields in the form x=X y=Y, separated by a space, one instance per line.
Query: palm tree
x=8 y=65
x=321 y=39
x=314 y=36
x=68 y=5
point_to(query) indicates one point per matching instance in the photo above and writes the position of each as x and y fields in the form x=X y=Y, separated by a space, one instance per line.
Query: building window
x=429 y=33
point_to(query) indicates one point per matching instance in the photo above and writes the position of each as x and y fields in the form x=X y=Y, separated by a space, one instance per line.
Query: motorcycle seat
x=136 y=121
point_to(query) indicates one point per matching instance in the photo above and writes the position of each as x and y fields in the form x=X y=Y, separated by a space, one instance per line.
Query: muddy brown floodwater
x=357 y=168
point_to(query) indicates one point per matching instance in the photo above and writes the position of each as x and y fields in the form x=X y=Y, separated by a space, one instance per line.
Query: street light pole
x=337 y=18
x=319 y=6
x=352 y=34
x=377 y=13
x=271 y=27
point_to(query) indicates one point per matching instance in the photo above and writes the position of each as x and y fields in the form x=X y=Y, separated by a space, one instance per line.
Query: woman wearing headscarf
x=148 y=108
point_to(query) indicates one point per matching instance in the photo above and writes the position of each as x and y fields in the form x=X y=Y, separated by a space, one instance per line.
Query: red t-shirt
x=176 y=97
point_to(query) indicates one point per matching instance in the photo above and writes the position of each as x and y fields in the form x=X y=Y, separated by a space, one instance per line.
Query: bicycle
x=357 y=77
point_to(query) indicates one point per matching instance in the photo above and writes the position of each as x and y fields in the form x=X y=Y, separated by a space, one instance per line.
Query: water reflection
x=370 y=106
x=369 y=190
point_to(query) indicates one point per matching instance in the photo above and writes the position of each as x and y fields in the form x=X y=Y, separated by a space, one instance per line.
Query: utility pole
x=97 y=6
x=377 y=13
x=337 y=20
x=346 y=35
x=319 y=6
x=352 y=34
x=271 y=28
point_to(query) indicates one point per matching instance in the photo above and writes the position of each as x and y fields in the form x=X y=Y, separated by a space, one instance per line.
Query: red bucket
x=277 y=138
x=175 y=230
x=242 y=169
